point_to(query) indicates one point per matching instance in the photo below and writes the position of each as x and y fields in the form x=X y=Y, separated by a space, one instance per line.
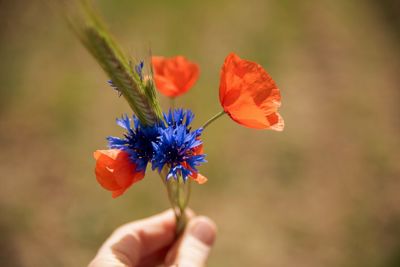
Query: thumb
x=194 y=246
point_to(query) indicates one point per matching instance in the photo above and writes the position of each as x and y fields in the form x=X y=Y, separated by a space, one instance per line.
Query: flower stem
x=216 y=116
x=182 y=195
x=178 y=195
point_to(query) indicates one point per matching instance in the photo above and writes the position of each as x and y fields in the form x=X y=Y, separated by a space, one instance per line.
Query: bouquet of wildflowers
x=166 y=141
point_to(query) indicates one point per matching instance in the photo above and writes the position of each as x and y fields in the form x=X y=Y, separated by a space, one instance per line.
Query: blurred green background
x=325 y=192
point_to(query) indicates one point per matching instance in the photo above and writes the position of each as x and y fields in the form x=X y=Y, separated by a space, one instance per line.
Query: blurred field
x=325 y=192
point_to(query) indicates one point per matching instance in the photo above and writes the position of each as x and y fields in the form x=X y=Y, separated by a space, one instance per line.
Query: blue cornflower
x=177 y=146
x=137 y=141
x=168 y=143
x=139 y=69
x=179 y=117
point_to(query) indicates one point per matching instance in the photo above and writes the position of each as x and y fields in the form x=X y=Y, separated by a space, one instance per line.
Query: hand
x=151 y=241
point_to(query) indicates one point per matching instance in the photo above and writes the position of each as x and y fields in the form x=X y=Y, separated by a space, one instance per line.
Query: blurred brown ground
x=325 y=192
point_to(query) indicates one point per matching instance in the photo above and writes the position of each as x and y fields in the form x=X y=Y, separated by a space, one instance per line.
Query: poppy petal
x=115 y=171
x=199 y=178
x=104 y=170
x=174 y=76
x=249 y=95
x=117 y=193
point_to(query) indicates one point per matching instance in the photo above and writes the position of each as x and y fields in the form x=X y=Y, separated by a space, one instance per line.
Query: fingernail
x=204 y=230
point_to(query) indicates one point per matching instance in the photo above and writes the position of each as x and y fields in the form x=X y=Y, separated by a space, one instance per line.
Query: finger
x=145 y=241
x=158 y=257
x=134 y=241
x=155 y=259
x=194 y=247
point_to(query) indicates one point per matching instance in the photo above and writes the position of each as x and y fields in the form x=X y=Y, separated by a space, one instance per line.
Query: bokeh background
x=325 y=192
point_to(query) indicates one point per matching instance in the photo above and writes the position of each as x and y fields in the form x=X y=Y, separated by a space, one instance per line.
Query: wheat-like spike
x=122 y=78
x=150 y=89
x=100 y=44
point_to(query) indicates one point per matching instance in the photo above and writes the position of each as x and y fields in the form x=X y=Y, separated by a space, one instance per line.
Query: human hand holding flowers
x=151 y=241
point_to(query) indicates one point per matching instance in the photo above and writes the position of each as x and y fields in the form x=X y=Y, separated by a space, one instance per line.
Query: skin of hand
x=152 y=242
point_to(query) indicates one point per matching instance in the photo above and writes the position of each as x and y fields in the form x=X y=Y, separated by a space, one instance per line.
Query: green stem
x=216 y=116
x=178 y=195
x=182 y=199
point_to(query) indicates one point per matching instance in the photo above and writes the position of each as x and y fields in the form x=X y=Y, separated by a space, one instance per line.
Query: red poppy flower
x=174 y=76
x=249 y=95
x=115 y=171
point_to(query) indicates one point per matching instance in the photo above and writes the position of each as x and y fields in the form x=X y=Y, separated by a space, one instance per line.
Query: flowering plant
x=166 y=141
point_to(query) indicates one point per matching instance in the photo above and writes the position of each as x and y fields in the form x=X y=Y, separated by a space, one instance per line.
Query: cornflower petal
x=137 y=141
x=177 y=146
x=139 y=69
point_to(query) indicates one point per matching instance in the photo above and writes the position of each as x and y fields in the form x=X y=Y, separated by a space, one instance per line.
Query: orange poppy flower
x=249 y=95
x=115 y=171
x=174 y=76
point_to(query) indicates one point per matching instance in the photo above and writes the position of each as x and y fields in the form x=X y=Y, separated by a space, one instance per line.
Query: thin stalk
x=178 y=195
x=215 y=117
x=182 y=198
x=189 y=191
x=163 y=174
